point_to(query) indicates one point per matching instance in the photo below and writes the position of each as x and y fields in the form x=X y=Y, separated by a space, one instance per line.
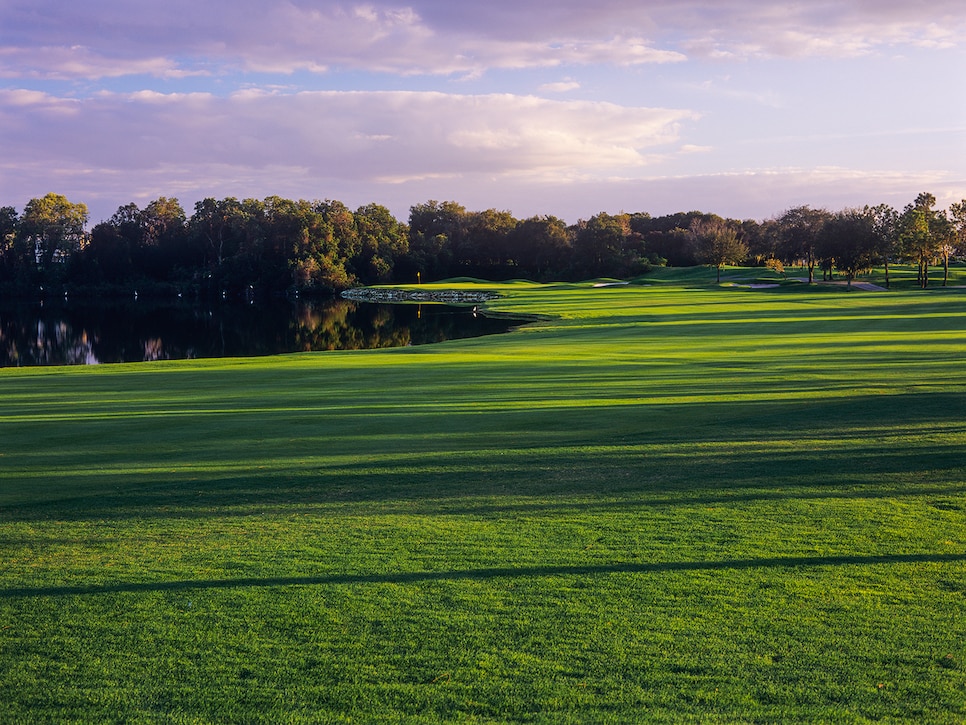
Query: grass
x=673 y=502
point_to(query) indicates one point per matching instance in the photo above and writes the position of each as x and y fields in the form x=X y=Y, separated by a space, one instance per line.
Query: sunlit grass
x=668 y=500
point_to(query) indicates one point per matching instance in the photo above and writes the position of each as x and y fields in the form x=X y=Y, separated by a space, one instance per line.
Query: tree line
x=275 y=245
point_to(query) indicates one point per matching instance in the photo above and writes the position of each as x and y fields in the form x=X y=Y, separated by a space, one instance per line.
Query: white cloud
x=105 y=38
x=355 y=137
x=65 y=63
x=744 y=194
x=559 y=86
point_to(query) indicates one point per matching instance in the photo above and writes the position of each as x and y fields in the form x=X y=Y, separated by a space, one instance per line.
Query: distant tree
x=115 y=255
x=54 y=227
x=8 y=224
x=278 y=243
x=129 y=222
x=849 y=237
x=957 y=225
x=301 y=239
x=219 y=227
x=922 y=230
x=485 y=250
x=599 y=245
x=108 y=257
x=166 y=249
x=163 y=221
x=342 y=228
x=666 y=237
x=717 y=242
x=541 y=247
x=8 y=241
x=762 y=244
x=775 y=265
x=798 y=232
x=257 y=259
x=946 y=239
x=382 y=242
x=436 y=230
x=957 y=215
x=885 y=224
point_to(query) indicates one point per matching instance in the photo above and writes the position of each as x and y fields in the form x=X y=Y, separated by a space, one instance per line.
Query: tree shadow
x=651 y=454
x=796 y=562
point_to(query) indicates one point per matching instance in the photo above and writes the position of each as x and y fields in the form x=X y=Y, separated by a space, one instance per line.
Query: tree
x=666 y=238
x=921 y=232
x=849 y=237
x=8 y=240
x=298 y=245
x=8 y=224
x=541 y=247
x=885 y=224
x=957 y=214
x=957 y=227
x=54 y=227
x=798 y=232
x=163 y=221
x=599 y=245
x=341 y=228
x=166 y=249
x=485 y=251
x=761 y=240
x=945 y=235
x=382 y=242
x=436 y=230
x=108 y=257
x=717 y=242
x=220 y=225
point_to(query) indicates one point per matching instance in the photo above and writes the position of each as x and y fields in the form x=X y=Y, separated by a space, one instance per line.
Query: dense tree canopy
x=849 y=238
x=717 y=242
x=53 y=229
x=230 y=247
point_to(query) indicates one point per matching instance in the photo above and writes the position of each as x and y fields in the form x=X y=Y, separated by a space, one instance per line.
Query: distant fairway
x=669 y=501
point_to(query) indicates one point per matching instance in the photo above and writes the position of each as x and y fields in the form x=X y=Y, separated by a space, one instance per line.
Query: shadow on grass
x=624 y=477
x=862 y=446
x=490 y=573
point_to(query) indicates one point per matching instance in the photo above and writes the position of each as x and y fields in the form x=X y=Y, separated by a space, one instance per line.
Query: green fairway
x=669 y=500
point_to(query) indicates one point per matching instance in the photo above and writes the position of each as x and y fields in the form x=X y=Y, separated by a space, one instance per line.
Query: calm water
x=70 y=334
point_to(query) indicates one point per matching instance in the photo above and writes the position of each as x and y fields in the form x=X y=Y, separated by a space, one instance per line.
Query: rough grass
x=675 y=502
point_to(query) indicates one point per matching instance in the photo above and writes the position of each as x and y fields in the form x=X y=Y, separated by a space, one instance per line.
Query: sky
x=744 y=108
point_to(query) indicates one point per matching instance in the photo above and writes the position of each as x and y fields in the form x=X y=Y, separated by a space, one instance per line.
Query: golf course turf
x=663 y=501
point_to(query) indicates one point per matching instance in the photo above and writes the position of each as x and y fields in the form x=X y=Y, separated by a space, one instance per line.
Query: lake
x=90 y=334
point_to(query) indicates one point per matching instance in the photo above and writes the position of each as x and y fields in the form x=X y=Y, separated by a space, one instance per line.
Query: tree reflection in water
x=140 y=331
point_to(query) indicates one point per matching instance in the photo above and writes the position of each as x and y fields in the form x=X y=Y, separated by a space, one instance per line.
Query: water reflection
x=91 y=334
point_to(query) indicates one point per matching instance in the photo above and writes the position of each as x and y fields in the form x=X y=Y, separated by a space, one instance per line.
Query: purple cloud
x=374 y=138
x=103 y=38
x=368 y=135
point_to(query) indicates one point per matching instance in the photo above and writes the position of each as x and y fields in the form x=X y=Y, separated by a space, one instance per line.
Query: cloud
x=355 y=133
x=559 y=86
x=66 y=63
x=54 y=39
x=520 y=153
x=689 y=148
x=316 y=137
x=104 y=38
x=755 y=193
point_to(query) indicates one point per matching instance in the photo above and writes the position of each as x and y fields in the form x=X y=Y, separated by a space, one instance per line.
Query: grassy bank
x=676 y=501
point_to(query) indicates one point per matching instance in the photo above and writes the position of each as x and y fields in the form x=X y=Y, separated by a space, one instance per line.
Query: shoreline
x=453 y=297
